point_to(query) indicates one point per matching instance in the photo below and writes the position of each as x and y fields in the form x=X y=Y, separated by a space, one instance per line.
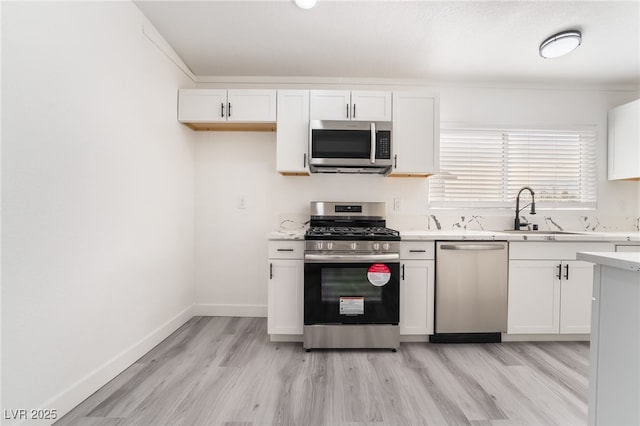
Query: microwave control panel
x=383 y=145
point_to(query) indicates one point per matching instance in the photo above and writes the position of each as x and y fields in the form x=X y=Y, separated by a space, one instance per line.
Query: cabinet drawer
x=629 y=248
x=286 y=249
x=417 y=250
x=558 y=250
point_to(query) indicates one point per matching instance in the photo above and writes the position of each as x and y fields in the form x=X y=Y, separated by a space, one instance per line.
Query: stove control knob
x=376 y=246
x=329 y=246
x=353 y=246
x=319 y=246
x=385 y=246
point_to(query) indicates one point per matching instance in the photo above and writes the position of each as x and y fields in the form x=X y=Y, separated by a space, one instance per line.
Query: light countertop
x=628 y=261
x=523 y=236
x=287 y=234
x=426 y=235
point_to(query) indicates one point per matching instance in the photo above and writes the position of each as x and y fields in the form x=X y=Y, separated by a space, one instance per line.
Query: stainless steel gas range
x=351 y=277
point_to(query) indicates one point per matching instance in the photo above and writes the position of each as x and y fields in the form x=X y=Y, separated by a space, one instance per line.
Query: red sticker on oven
x=379 y=274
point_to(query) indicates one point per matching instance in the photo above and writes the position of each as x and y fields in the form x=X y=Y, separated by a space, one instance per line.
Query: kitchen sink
x=539 y=231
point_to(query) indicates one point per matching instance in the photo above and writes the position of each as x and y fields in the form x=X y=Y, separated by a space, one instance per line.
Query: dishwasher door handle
x=474 y=247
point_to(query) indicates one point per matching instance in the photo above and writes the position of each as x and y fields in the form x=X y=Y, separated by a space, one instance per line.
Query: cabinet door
x=251 y=106
x=534 y=297
x=576 y=294
x=330 y=105
x=202 y=105
x=371 y=106
x=624 y=141
x=415 y=134
x=292 y=137
x=417 y=297
x=285 y=296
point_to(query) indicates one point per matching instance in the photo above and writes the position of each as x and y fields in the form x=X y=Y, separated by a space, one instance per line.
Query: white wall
x=97 y=199
x=231 y=244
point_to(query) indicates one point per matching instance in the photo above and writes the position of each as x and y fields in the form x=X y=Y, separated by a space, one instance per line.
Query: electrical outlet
x=397 y=203
x=242 y=203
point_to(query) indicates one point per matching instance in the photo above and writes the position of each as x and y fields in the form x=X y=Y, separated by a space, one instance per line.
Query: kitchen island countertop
x=628 y=261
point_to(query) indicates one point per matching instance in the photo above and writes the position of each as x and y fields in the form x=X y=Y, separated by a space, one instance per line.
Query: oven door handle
x=350 y=258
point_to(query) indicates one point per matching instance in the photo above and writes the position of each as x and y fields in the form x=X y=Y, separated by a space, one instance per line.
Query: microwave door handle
x=373 y=143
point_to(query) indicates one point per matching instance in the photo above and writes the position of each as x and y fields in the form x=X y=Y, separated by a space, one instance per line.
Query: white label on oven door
x=352 y=306
x=379 y=274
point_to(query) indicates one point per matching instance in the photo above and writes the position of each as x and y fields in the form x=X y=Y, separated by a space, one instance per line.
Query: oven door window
x=350 y=293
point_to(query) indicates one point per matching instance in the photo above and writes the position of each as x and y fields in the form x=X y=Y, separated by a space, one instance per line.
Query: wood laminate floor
x=225 y=371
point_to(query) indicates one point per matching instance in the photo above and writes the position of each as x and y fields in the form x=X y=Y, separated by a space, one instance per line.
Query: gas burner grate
x=352 y=232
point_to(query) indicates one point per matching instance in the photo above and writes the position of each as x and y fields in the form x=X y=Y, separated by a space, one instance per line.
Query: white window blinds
x=487 y=168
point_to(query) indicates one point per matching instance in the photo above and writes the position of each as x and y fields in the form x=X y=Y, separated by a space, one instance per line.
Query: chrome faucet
x=516 y=224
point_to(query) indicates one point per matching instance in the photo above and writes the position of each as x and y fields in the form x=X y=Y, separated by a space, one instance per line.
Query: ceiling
x=426 y=40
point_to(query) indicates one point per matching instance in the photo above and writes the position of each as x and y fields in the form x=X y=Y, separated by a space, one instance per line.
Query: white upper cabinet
x=201 y=105
x=251 y=106
x=371 y=106
x=292 y=137
x=348 y=105
x=624 y=141
x=226 y=106
x=416 y=134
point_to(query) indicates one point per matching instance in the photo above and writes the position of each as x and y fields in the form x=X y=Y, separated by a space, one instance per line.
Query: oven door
x=351 y=289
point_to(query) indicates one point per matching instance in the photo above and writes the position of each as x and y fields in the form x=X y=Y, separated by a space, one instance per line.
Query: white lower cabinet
x=542 y=300
x=550 y=296
x=576 y=293
x=285 y=293
x=417 y=277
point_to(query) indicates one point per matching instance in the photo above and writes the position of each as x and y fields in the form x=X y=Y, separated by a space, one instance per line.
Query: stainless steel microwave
x=350 y=146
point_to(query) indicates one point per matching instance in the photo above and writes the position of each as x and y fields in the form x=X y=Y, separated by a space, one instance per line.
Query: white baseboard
x=69 y=398
x=213 y=310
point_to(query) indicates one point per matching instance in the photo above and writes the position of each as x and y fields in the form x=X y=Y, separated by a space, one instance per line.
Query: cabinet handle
x=354 y=111
x=417 y=251
x=304 y=160
x=271 y=271
x=403 y=272
x=229 y=110
x=285 y=249
x=222 y=110
x=566 y=271
x=347 y=110
x=559 y=271
x=395 y=161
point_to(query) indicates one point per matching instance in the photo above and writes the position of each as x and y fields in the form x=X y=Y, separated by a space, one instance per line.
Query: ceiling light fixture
x=560 y=44
x=305 y=4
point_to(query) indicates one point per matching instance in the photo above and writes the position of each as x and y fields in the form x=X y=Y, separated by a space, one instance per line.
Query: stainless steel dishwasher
x=471 y=291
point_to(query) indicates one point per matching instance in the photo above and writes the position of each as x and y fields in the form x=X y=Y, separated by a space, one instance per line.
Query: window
x=487 y=168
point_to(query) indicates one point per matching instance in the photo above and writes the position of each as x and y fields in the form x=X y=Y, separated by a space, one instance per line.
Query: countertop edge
x=618 y=237
x=627 y=261
x=413 y=235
